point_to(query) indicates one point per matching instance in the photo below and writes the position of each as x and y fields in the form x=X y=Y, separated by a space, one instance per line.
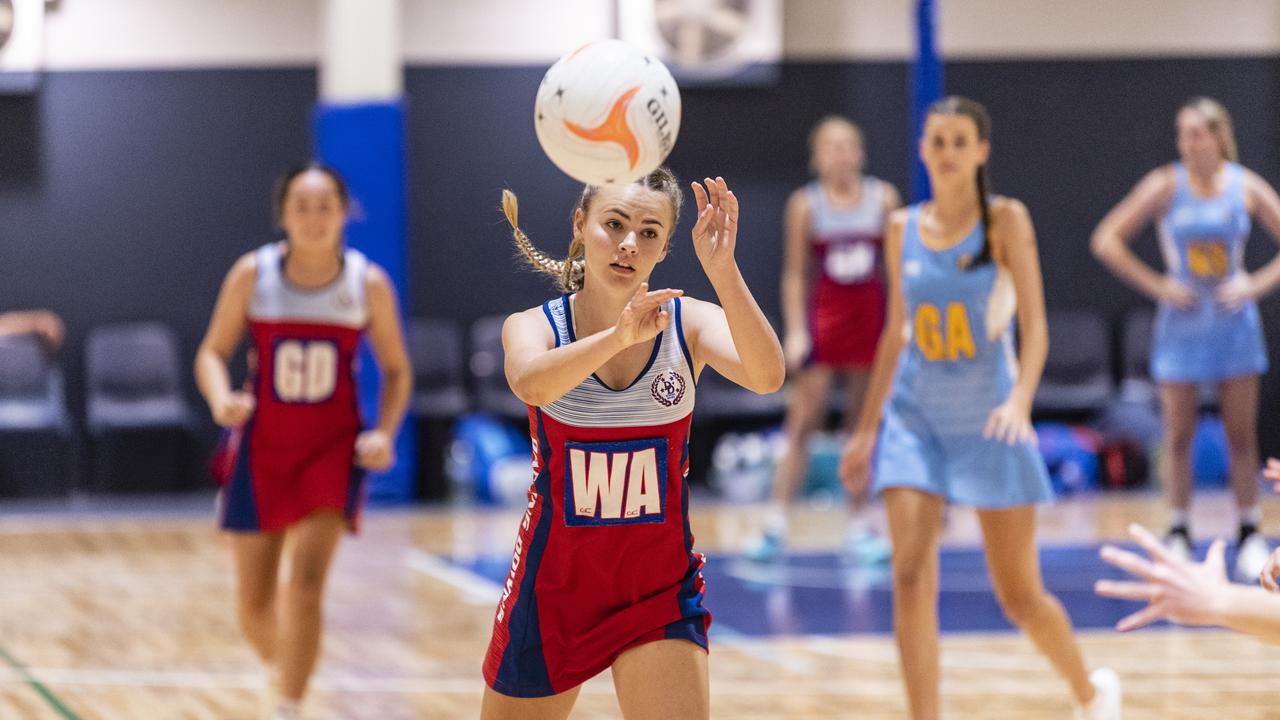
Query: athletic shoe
x=767 y=548
x=1106 y=697
x=1251 y=557
x=1178 y=541
x=867 y=548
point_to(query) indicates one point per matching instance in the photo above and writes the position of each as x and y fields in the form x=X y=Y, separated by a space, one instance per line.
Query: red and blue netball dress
x=847 y=305
x=298 y=450
x=604 y=560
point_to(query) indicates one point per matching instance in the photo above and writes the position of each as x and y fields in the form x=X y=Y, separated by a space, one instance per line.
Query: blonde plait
x=568 y=273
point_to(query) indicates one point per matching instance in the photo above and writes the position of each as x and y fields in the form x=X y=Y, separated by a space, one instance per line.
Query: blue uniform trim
x=657 y=345
x=572 y=504
x=568 y=317
x=546 y=310
x=684 y=462
x=240 y=509
x=568 y=321
x=692 y=623
x=523 y=670
x=684 y=345
x=355 y=491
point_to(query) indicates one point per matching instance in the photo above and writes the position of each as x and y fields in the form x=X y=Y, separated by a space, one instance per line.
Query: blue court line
x=822 y=594
x=62 y=710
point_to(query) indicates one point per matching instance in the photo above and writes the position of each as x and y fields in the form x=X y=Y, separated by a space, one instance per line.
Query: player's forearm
x=888 y=349
x=1267 y=277
x=794 y=314
x=1033 y=350
x=1116 y=256
x=753 y=337
x=212 y=377
x=549 y=375
x=1250 y=610
x=393 y=400
x=17 y=323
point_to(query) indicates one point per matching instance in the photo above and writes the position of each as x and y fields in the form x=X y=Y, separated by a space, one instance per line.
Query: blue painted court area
x=823 y=594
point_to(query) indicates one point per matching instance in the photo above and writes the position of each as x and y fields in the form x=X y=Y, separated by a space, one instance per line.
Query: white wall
x=84 y=34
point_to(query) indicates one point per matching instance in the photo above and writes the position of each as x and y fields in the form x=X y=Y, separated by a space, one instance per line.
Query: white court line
x=1005 y=662
x=760 y=649
x=479 y=590
x=475 y=589
x=1162 y=685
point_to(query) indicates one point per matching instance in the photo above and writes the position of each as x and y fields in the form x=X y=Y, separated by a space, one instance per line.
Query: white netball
x=607 y=113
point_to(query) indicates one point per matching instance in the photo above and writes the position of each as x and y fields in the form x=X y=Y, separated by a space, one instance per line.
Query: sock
x=1250 y=516
x=1179 y=522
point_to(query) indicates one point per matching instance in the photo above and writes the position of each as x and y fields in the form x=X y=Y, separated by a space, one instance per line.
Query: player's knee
x=255 y=613
x=1021 y=606
x=1179 y=439
x=1241 y=441
x=910 y=578
x=256 y=604
x=306 y=585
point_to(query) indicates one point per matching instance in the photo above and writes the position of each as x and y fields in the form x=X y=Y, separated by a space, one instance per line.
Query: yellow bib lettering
x=959 y=338
x=937 y=342
x=1207 y=259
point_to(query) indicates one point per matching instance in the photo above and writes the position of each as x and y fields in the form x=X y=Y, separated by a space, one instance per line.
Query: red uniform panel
x=604 y=561
x=297 y=455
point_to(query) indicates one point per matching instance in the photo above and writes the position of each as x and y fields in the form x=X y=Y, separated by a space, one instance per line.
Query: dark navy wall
x=128 y=194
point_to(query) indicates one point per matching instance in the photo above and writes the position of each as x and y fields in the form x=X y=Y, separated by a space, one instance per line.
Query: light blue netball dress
x=1203 y=243
x=949 y=379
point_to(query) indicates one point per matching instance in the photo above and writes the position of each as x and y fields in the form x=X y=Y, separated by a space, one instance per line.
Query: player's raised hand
x=643 y=317
x=715 y=234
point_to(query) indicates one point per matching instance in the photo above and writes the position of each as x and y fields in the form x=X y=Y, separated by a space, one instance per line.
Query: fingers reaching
x=1129 y=562
x=1142 y=618
x=1127 y=590
x=1270 y=572
x=1152 y=545
x=699 y=196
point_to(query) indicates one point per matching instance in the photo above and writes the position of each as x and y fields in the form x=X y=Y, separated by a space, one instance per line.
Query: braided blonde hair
x=570 y=272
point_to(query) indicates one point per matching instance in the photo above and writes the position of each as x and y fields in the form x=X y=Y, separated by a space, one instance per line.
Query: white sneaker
x=266 y=692
x=1180 y=546
x=287 y=711
x=1106 y=698
x=867 y=548
x=769 y=547
x=1251 y=557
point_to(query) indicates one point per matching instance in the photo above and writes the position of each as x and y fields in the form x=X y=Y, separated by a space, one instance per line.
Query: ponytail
x=568 y=272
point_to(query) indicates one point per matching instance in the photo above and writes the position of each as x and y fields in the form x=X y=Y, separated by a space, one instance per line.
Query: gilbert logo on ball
x=607 y=113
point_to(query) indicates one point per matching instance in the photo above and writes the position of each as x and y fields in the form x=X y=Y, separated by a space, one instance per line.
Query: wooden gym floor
x=127 y=614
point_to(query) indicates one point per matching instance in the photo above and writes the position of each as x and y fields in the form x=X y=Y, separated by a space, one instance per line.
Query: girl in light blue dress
x=955 y=400
x=1207 y=328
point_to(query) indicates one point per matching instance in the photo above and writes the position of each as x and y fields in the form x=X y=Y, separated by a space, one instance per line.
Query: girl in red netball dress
x=604 y=574
x=833 y=302
x=296 y=479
